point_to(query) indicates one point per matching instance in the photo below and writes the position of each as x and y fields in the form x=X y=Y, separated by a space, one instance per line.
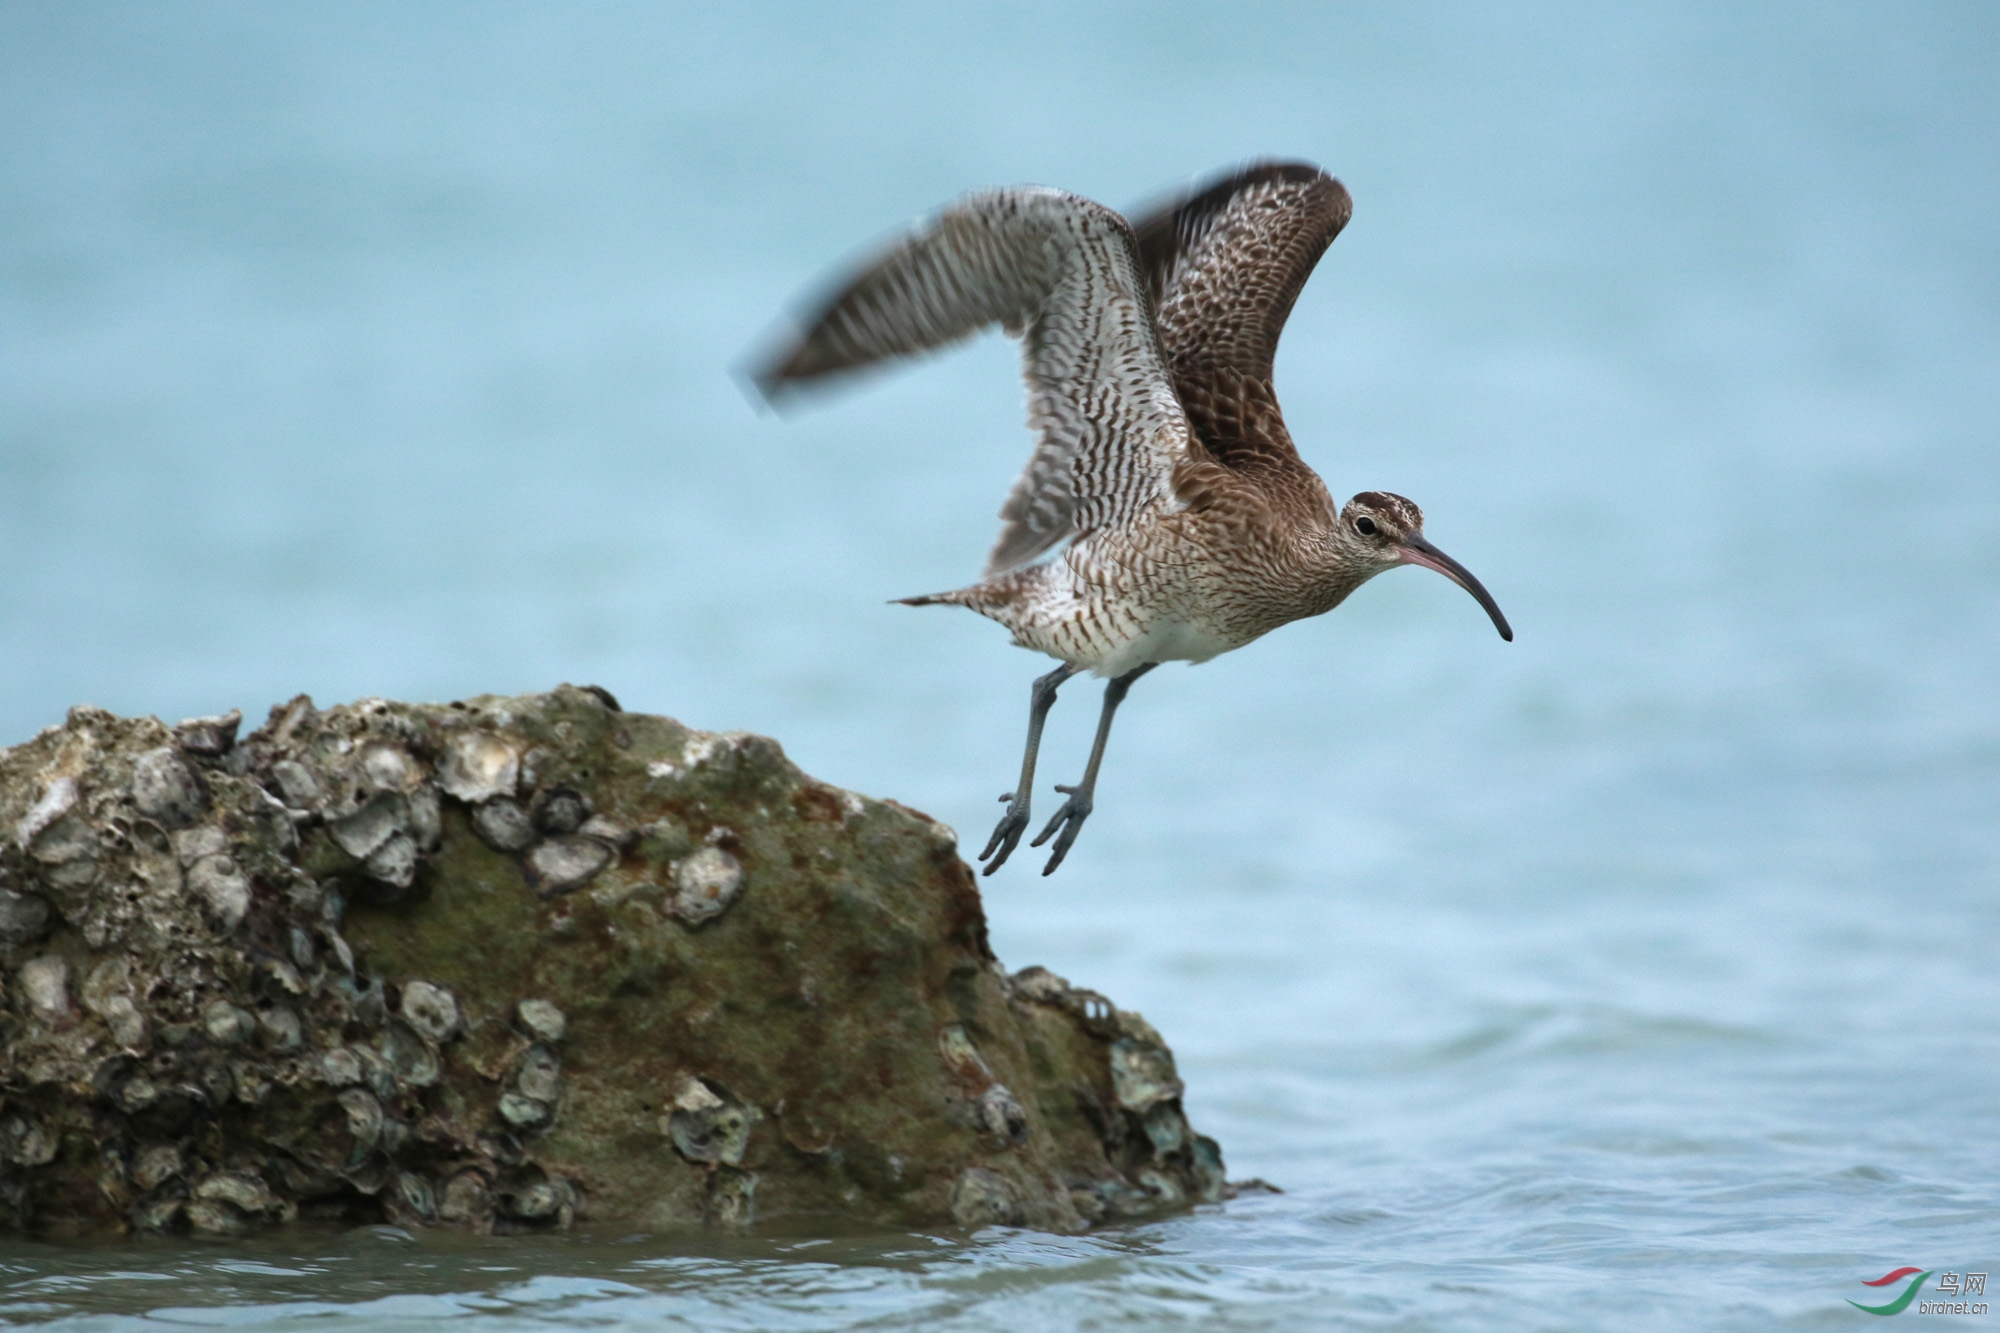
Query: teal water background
x=1641 y=974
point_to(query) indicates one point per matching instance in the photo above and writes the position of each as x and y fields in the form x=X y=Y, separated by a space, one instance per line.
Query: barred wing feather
x=1062 y=273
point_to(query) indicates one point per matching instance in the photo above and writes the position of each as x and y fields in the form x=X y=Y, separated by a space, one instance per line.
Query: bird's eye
x=1365 y=526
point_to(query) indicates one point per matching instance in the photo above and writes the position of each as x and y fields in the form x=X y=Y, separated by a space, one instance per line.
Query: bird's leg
x=1007 y=835
x=1076 y=809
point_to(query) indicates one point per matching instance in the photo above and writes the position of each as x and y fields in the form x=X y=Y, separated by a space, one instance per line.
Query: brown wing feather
x=1224 y=266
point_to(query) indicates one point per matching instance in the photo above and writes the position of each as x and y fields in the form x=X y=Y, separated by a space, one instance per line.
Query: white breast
x=1167 y=639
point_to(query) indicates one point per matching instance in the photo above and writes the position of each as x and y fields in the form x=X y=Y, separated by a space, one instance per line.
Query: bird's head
x=1386 y=530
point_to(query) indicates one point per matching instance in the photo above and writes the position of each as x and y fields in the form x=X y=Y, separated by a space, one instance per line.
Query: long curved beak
x=1415 y=550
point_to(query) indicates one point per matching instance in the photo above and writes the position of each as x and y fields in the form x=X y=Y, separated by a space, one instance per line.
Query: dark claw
x=1069 y=819
x=1006 y=834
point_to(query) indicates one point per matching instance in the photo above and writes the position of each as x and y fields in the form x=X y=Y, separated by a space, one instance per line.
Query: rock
x=209 y=737
x=467 y=1198
x=233 y=1203
x=67 y=848
x=504 y=825
x=24 y=917
x=298 y=786
x=343 y=963
x=238 y=1189
x=192 y=844
x=164 y=789
x=56 y=797
x=560 y=810
x=388 y=767
x=220 y=882
x=340 y=1067
x=44 y=987
x=540 y=1075
x=479 y=766
x=394 y=862
x=522 y=1111
x=26 y=1143
x=380 y=818
x=707 y=1125
x=127 y=1024
x=411 y=1059
x=609 y=832
x=430 y=1010
x=226 y=1025
x=280 y=1028
x=542 y=1019
x=364 y=1123
x=156 y=1166
x=980 y=1197
x=705 y=884
x=107 y=993
x=564 y=864
x=414 y=1198
x=1142 y=1074
x=1002 y=1115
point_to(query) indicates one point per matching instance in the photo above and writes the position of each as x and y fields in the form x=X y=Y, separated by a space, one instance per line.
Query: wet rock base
x=507 y=964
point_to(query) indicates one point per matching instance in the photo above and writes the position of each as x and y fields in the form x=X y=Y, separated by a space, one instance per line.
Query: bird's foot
x=1007 y=833
x=1069 y=819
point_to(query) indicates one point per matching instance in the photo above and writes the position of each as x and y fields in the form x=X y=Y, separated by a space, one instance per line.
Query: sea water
x=1641 y=974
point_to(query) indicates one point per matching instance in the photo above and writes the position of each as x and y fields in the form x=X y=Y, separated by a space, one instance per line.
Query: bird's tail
x=957 y=598
x=989 y=595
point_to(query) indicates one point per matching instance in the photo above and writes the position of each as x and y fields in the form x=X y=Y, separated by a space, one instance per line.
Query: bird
x=1164 y=514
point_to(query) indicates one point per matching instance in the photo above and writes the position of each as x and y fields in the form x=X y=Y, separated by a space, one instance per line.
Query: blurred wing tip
x=763 y=381
x=774 y=373
x=763 y=398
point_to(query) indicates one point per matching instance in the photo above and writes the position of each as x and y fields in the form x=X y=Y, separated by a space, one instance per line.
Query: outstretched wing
x=1223 y=266
x=1063 y=273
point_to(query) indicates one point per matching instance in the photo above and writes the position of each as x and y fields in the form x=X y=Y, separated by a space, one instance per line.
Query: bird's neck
x=1331 y=567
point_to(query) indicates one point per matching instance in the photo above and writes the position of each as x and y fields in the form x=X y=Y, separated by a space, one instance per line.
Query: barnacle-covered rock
x=542 y=1019
x=563 y=864
x=431 y=1010
x=165 y=790
x=221 y=884
x=24 y=917
x=522 y=1111
x=709 y=1125
x=705 y=884
x=507 y=963
x=230 y=1203
x=540 y=1075
x=479 y=766
x=44 y=988
x=503 y=824
x=209 y=737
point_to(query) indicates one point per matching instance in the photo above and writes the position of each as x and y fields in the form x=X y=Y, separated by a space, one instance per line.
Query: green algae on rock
x=513 y=962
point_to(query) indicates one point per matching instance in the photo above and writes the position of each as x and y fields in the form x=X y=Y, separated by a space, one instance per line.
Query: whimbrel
x=1165 y=515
